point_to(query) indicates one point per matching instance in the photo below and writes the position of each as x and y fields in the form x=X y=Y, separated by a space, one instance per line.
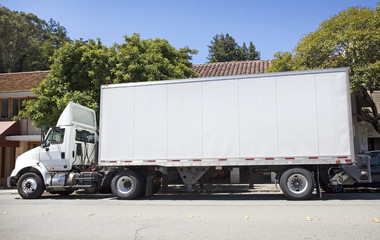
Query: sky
x=271 y=25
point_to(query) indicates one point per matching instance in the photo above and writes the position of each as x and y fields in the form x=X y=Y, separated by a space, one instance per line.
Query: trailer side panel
x=247 y=120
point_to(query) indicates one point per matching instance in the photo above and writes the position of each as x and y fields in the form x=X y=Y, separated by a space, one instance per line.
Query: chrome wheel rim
x=29 y=185
x=124 y=184
x=297 y=183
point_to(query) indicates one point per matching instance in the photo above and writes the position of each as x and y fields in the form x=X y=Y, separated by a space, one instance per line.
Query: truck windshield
x=55 y=136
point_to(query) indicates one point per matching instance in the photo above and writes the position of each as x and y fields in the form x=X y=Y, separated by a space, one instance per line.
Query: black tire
x=30 y=186
x=127 y=185
x=91 y=190
x=297 y=183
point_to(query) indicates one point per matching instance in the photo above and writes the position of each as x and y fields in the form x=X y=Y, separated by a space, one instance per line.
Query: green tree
x=252 y=53
x=27 y=42
x=80 y=68
x=244 y=52
x=77 y=72
x=151 y=59
x=283 y=62
x=349 y=39
x=224 y=48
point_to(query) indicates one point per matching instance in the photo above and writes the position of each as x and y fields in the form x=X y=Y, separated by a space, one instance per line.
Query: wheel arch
x=30 y=169
x=279 y=170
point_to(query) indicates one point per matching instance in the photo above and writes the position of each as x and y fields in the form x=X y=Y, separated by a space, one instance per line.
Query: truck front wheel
x=30 y=186
x=297 y=183
x=127 y=185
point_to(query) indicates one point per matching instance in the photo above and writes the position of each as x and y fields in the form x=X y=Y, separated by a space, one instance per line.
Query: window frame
x=10 y=112
x=49 y=139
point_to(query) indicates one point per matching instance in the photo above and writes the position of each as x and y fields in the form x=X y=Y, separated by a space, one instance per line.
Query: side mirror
x=43 y=137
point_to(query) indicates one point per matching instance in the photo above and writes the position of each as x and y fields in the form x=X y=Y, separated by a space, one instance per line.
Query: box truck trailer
x=295 y=124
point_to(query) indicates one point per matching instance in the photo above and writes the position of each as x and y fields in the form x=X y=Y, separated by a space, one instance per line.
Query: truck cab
x=64 y=159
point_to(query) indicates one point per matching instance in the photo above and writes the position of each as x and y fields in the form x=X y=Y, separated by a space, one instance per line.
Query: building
x=369 y=139
x=16 y=137
x=231 y=68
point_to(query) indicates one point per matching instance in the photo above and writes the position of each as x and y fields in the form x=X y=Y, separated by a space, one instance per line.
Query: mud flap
x=318 y=184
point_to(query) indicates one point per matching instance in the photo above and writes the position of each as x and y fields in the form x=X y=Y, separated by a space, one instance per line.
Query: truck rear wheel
x=30 y=186
x=127 y=185
x=297 y=183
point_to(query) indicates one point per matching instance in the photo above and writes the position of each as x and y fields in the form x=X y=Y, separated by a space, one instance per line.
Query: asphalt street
x=229 y=215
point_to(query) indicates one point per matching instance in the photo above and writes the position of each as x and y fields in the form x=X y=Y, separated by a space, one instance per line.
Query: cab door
x=54 y=154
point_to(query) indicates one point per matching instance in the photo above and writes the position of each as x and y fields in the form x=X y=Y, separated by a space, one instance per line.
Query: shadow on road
x=219 y=197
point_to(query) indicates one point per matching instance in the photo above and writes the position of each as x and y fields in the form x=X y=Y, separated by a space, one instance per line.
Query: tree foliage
x=27 y=42
x=349 y=39
x=152 y=59
x=283 y=62
x=252 y=53
x=224 y=48
x=80 y=68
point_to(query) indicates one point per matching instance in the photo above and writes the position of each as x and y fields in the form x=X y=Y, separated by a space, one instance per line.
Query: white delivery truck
x=295 y=124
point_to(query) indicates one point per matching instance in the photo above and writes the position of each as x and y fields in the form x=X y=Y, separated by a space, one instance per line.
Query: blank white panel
x=326 y=119
x=290 y=115
x=150 y=122
x=257 y=117
x=184 y=121
x=332 y=114
x=297 y=126
x=220 y=119
x=117 y=124
x=286 y=109
x=343 y=114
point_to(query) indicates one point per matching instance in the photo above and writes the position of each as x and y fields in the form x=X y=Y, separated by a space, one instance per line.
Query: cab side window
x=55 y=136
x=84 y=136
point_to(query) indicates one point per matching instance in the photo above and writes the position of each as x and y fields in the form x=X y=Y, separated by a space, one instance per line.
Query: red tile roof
x=20 y=82
x=24 y=81
x=231 y=68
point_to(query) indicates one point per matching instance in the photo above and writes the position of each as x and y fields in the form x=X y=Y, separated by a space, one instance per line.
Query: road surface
x=191 y=216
